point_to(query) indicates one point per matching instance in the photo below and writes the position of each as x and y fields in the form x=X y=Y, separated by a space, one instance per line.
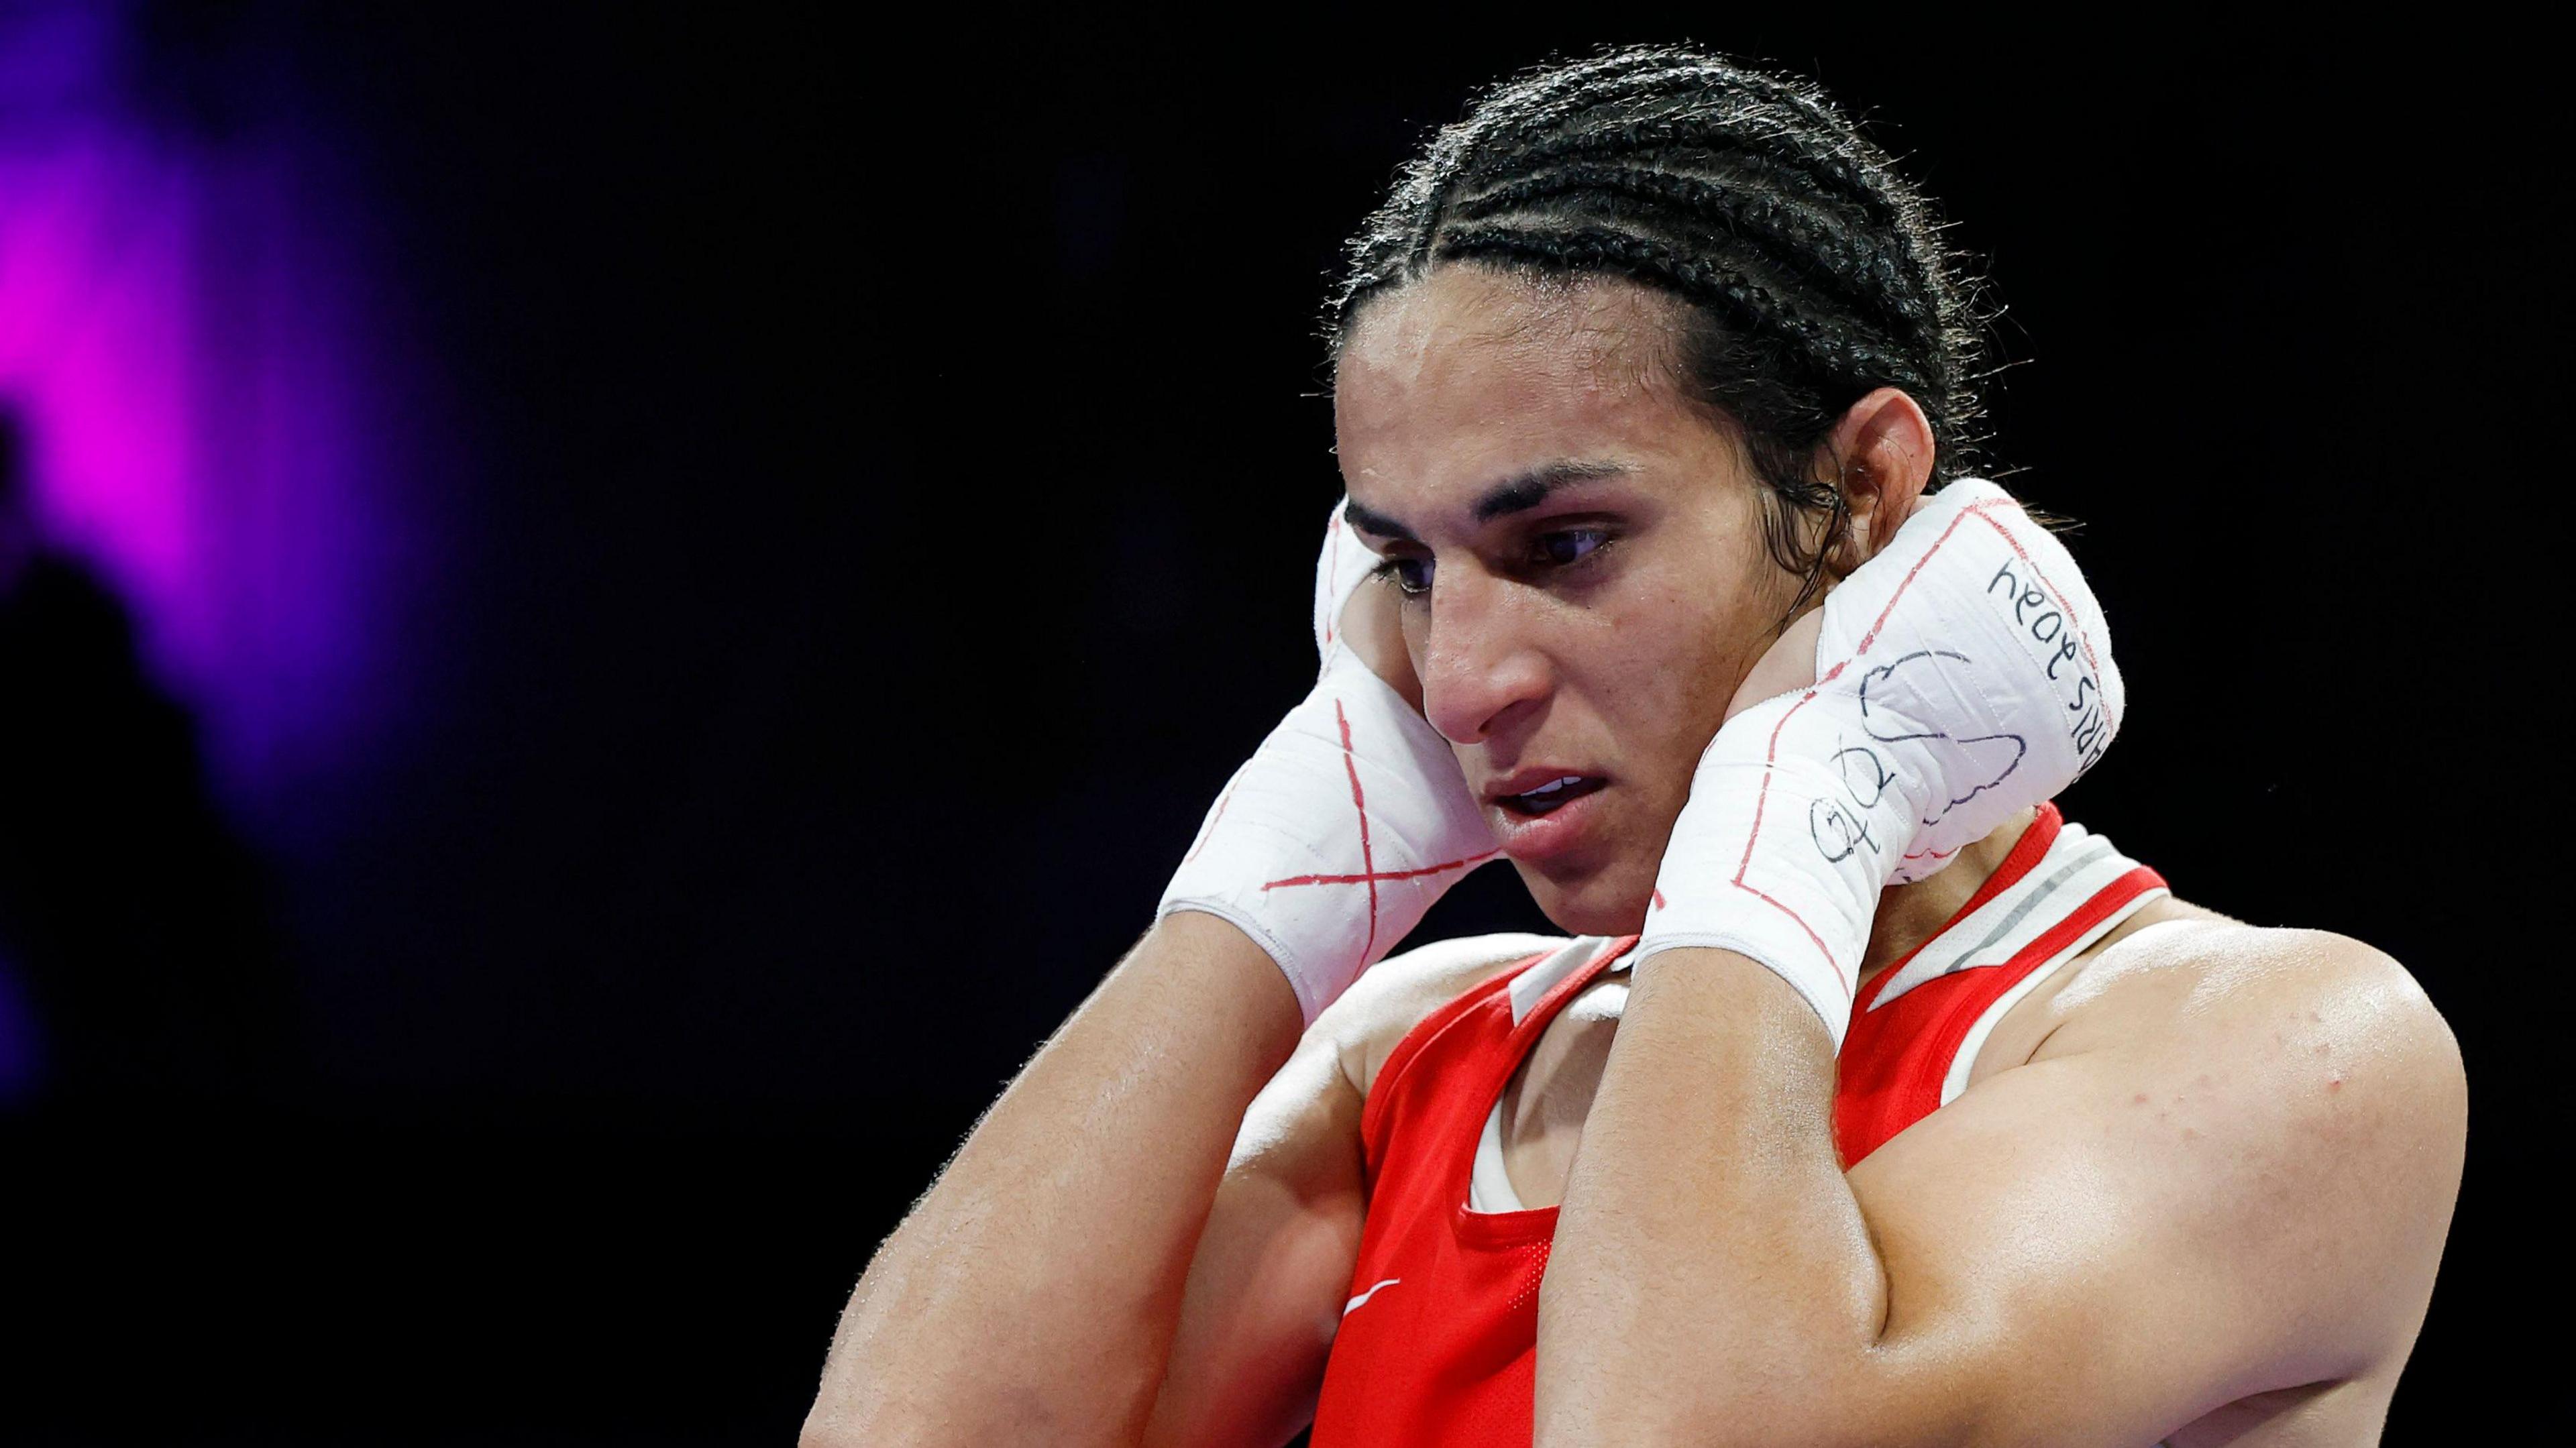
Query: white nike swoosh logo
x=1349 y=1306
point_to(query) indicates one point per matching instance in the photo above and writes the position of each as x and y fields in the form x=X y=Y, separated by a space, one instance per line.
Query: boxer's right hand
x=1372 y=627
x=1332 y=841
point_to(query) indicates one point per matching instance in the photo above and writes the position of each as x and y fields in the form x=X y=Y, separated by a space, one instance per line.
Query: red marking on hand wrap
x=1379 y=875
x=1761 y=803
x=1659 y=898
x=1771 y=755
x=1907 y=582
x=1978 y=511
x=1837 y=966
x=1210 y=833
x=1762 y=797
x=1370 y=875
x=2082 y=635
x=1359 y=801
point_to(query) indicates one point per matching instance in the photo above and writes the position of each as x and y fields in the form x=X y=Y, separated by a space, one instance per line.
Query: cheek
x=1677 y=666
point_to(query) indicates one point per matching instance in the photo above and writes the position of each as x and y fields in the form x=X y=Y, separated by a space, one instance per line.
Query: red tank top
x=1438 y=1340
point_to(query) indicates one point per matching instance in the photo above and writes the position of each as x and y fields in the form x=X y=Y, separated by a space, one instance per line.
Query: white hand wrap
x=1331 y=842
x=1963 y=673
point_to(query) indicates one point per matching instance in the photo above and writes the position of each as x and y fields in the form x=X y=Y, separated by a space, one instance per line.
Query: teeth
x=1553 y=786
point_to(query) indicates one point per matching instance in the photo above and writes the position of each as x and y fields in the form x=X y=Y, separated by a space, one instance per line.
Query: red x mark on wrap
x=1369 y=874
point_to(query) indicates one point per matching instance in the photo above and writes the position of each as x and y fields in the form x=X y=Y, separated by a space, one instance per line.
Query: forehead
x=1469 y=374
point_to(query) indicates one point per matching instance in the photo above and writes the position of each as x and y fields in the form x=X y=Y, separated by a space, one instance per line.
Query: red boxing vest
x=1438 y=1340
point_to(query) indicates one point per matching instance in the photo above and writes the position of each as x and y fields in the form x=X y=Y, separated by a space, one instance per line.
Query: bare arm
x=1035 y=1294
x=1265 y=1290
x=1273 y=1271
x=1032 y=1295
x=2136 y=1228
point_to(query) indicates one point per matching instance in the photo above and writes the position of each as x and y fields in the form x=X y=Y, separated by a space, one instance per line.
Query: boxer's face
x=1579 y=556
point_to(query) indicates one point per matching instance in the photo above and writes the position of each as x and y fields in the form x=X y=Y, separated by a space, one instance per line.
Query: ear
x=1882 y=452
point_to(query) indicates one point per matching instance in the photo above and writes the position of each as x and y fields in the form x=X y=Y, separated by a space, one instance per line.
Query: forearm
x=1032 y=1294
x=1712 y=1280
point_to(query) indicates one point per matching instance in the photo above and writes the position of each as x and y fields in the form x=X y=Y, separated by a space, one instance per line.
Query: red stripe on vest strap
x=1881 y=1095
x=2027 y=852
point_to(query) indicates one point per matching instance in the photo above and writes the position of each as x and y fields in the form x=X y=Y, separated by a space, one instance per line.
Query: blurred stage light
x=188 y=346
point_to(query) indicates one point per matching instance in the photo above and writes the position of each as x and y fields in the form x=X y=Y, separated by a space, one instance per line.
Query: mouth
x=1552 y=791
x=1545 y=816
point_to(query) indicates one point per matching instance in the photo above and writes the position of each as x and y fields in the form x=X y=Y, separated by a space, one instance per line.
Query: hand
x=1961 y=675
x=1352 y=818
x=1373 y=628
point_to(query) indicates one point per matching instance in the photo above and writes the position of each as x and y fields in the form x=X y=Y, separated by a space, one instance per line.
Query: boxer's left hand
x=1961 y=675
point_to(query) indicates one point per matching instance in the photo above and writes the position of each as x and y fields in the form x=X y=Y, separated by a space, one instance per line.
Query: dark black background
x=880 y=486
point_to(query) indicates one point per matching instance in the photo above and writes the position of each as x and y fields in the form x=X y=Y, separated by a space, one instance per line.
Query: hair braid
x=1757 y=300
x=1810 y=271
x=1781 y=229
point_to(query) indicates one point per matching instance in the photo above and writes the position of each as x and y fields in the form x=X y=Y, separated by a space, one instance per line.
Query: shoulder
x=1310 y=1110
x=1364 y=1026
x=2280 y=998
x=2305 y=1084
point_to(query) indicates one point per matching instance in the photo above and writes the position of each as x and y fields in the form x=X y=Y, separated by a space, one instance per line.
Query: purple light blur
x=185 y=343
x=22 y=1054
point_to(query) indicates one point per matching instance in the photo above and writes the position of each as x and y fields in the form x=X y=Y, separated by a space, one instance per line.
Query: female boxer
x=1907 y=1111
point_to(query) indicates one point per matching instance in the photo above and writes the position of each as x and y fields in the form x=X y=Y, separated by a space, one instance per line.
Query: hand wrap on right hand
x=1350 y=820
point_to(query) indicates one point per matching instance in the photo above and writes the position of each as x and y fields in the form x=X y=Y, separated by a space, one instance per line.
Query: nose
x=1482 y=674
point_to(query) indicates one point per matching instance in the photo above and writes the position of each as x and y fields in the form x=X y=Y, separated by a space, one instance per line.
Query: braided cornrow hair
x=1810 y=269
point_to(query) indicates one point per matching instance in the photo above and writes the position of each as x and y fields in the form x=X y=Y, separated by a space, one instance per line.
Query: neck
x=1908 y=915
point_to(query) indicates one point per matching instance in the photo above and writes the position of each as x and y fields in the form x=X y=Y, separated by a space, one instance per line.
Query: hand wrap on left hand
x=1962 y=674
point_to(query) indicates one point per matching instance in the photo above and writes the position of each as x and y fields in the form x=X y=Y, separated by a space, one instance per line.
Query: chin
x=1610 y=900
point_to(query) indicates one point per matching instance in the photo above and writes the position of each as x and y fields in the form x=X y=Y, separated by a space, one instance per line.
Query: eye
x=1411 y=576
x=1569 y=546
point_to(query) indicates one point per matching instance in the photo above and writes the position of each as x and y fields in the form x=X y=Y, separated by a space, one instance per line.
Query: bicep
x=1265 y=1288
x=2100 y=1246
x=2055 y=1271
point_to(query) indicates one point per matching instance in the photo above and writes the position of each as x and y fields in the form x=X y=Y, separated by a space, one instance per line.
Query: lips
x=1545 y=812
x=1538 y=790
x=1546 y=798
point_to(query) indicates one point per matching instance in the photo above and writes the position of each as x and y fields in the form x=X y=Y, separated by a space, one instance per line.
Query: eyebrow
x=1512 y=495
